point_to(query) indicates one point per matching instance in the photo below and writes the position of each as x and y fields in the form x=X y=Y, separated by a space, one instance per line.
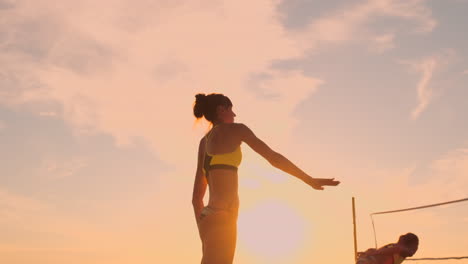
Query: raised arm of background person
x=279 y=161
x=200 y=183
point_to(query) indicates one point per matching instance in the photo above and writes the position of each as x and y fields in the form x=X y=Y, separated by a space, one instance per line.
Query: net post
x=354 y=230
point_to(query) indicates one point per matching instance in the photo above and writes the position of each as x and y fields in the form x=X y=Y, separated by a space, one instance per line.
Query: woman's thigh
x=218 y=232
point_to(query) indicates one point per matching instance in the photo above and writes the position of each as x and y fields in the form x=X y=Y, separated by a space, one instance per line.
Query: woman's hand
x=318 y=183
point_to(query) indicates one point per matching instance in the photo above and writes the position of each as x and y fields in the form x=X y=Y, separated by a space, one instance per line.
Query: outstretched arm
x=199 y=186
x=279 y=161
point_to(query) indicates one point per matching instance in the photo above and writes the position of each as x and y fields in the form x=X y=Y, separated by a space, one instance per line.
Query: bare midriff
x=223 y=187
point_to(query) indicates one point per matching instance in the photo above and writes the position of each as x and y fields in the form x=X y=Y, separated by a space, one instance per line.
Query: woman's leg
x=219 y=234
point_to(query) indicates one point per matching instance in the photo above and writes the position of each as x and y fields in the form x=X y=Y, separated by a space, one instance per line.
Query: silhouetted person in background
x=394 y=253
x=219 y=156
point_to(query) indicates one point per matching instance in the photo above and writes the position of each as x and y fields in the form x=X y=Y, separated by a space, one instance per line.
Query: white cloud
x=133 y=73
x=133 y=70
x=353 y=23
x=425 y=93
x=414 y=10
x=57 y=168
x=383 y=43
x=427 y=67
x=133 y=81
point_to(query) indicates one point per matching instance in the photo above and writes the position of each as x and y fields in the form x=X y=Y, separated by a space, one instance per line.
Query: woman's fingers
x=328 y=182
x=319 y=183
x=333 y=183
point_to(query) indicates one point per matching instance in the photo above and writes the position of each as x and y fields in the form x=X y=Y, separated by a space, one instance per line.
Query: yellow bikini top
x=229 y=161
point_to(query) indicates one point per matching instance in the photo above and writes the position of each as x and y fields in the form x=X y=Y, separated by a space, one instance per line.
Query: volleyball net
x=442 y=229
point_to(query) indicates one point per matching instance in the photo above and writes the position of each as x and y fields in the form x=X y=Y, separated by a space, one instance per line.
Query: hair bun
x=200 y=97
x=199 y=107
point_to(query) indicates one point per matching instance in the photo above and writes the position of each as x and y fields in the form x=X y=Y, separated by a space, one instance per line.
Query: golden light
x=272 y=230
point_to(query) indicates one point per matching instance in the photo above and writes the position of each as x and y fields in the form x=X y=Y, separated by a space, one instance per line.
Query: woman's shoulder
x=240 y=129
x=231 y=127
x=233 y=124
x=239 y=126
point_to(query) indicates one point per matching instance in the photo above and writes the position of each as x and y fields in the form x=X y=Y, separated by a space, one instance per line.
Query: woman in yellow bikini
x=219 y=155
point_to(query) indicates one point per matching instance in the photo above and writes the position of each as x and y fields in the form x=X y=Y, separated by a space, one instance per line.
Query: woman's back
x=222 y=157
x=222 y=139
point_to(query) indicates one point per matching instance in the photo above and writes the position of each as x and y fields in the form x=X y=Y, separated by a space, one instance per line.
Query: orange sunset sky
x=98 y=142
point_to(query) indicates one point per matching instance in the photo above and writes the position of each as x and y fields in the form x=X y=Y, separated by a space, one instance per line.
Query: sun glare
x=271 y=230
